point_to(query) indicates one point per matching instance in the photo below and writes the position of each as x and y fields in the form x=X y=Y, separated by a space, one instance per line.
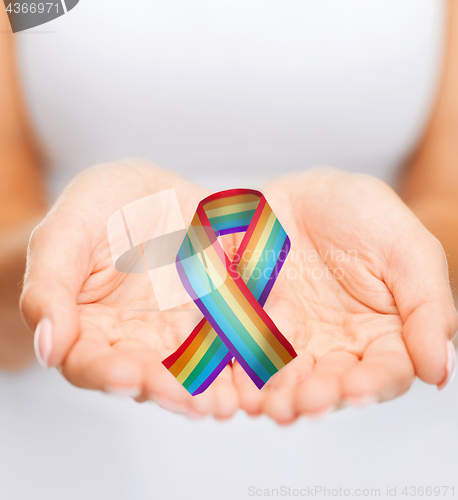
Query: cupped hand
x=363 y=297
x=99 y=326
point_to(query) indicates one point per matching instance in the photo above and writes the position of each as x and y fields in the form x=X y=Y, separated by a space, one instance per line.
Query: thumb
x=57 y=265
x=418 y=279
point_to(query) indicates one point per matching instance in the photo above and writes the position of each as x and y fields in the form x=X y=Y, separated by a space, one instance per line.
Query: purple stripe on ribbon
x=232 y=230
x=213 y=375
x=270 y=283
x=235 y=353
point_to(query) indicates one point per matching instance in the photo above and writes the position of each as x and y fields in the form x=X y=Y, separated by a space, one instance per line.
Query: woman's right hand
x=95 y=323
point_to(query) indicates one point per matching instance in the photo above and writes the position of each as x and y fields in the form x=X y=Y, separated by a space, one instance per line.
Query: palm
x=352 y=296
x=123 y=336
x=331 y=299
x=121 y=307
x=121 y=311
x=328 y=283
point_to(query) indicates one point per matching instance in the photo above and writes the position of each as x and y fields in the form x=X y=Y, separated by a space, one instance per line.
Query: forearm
x=23 y=206
x=16 y=341
x=23 y=203
x=430 y=183
x=440 y=216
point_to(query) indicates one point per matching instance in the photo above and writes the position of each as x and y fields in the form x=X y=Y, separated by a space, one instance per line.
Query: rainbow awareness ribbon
x=231 y=295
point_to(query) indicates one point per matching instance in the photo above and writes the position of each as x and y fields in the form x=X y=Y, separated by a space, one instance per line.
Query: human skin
x=366 y=303
x=429 y=186
x=23 y=204
x=361 y=334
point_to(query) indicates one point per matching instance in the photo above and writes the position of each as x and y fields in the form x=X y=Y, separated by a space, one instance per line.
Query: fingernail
x=361 y=401
x=451 y=367
x=126 y=392
x=169 y=405
x=42 y=342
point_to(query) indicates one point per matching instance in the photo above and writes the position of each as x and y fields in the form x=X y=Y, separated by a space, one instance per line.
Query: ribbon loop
x=231 y=295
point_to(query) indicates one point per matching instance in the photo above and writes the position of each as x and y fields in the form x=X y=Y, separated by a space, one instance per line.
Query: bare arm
x=430 y=185
x=23 y=203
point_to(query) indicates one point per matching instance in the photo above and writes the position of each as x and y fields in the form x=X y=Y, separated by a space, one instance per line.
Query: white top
x=225 y=91
x=213 y=87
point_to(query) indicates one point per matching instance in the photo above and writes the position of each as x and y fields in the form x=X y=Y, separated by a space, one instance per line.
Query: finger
x=426 y=333
x=385 y=372
x=279 y=402
x=159 y=385
x=250 y=397
x=94 y=364
x=204 y=403
x=418 y=279
x=220 y=399
x=321 y=391
x=57 y=264
x=227 y=398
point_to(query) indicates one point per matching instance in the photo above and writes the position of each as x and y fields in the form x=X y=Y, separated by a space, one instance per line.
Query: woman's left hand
x=363 y=297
